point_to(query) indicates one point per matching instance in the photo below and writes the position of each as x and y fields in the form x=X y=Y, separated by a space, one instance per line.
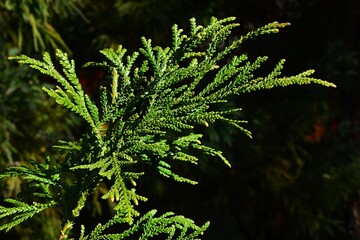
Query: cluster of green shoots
x=146 y=114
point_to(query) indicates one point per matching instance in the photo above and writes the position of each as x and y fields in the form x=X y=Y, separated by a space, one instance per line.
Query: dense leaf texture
x=147 y=114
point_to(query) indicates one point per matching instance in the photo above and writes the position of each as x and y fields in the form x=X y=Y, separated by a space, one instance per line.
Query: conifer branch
x=147 y=114
x=19 y=211
x=41 y=179
x=149 y=226
x=70 y=93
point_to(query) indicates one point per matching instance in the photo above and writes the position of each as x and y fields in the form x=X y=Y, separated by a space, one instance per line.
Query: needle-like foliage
x=146 y=114
x=149 y=226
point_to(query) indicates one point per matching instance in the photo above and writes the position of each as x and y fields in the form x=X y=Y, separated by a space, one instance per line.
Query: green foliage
x=149 y=226
x=39 y=180
x=29 y=121
x=27 y=19
x=20 y=212
x=146 y=115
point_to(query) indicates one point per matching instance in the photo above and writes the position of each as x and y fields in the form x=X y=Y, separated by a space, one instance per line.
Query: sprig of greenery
x=70 y=93
x=20 y=211
x=148 y=226
x=40 y=181
x=147 y=114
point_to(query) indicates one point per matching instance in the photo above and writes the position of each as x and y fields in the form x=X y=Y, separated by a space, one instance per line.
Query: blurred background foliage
x=299 y=176
x=30 y=123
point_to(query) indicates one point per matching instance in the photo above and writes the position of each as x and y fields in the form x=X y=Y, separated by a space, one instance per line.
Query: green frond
x=126 y=198
x=80 y=203
x=30 y=175
x=186 y=141
x=40 y=178
x=148 y=113
x=20 y=211
x=114 y=169
x=148 y=52
x=193 y=27
x=97 y=232
x=165 y=169
x=225 y=74
x=270 y=28
x=212 y=152
x=181 y=156
x=115 y=56
x=177 y=38
x=237 y=123
x=168 y=223
x=66 y=145
x=149 y=227
x=272 y=81
x=69 y=92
